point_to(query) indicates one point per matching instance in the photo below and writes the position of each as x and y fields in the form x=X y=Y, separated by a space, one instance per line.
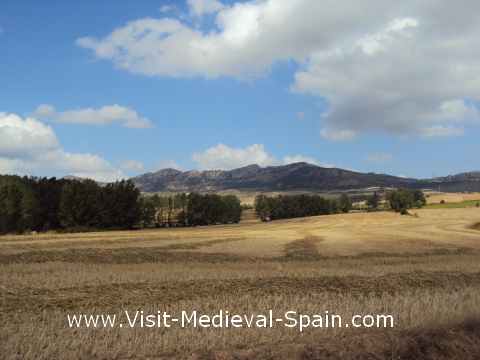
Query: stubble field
x=423 y=269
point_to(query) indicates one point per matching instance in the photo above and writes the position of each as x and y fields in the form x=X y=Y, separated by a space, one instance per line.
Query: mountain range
x=297 y=176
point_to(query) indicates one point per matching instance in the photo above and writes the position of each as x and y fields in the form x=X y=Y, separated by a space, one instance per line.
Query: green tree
x=18 y=205
x=11 y=205
x=419 y=199
x=80 y=205
x=232 y=208
x=373 y=201
x=292 y=206
x=148 y=211
x=345 y=203
x=403 y=199
x=262 y=207
x=120 y=205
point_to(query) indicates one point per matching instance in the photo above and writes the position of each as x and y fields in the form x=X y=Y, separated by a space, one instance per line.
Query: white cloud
x=379 y=157
x=132 y=166
x=103 y=116
x=413 y=76
x=24 y=138
x=456 y=110
x=405 y=67
x=202 y=7
x=248 y=37
x=27 y=146
x=227 y=158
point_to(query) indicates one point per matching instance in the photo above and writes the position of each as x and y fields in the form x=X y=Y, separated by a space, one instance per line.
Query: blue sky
x=255 y=86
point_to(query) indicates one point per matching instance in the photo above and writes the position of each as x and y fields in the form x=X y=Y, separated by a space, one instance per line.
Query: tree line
x=292 y=206
x=43 y=204
x=192 y=209
x=402 y=200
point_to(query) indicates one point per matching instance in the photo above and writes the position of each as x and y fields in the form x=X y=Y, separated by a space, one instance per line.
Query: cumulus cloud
x=248 y=37
x=378 y=85
x=25 y=138
x=405 y=67
x=105 y=115
x=226 y=158
x=30 y=147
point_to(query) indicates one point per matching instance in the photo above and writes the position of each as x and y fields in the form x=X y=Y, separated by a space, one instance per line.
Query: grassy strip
x=454 y=205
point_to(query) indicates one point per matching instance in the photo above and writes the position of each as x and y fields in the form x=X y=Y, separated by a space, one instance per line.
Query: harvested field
x=424 y=270
x=436 y=197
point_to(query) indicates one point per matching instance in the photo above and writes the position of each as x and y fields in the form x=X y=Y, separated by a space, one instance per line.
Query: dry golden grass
x=437 y=197
x=342 y=235
x=424 y=270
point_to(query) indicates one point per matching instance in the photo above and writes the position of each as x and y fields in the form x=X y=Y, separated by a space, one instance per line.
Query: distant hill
x=298 y=176
x=467 y=176
x=468 y=181
x=293 y=177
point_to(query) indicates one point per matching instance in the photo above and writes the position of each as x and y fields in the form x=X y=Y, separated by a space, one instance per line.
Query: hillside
x=298 y=176
x=468 y=181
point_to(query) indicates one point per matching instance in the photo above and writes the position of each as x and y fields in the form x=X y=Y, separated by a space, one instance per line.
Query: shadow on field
x=457 y=342
x=304 y=249
x=298 y=250
x=476 y=226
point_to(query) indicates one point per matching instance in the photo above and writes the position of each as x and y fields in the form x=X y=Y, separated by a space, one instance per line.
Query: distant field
x=423 y=269
x=454 y=205
x=437 y=197
x=437 y=200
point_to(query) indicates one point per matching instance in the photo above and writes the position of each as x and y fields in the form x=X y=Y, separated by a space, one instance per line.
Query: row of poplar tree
x=42 y=204
x=191 y=209
x=292 y=206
